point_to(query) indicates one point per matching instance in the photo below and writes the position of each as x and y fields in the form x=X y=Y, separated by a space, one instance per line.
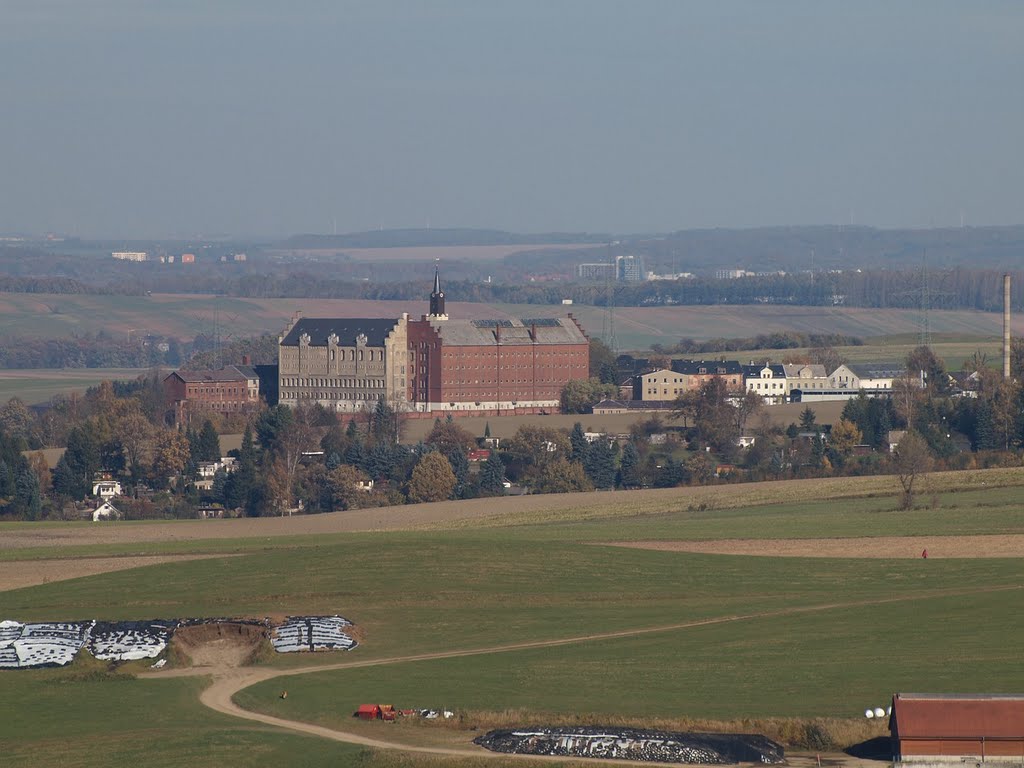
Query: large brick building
x=345 y=364
x=231 y=389
x=491 y=365
x=434 y=364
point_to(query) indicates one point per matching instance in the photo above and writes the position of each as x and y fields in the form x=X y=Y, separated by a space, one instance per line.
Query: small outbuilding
x=954 y=728
x=368 y=712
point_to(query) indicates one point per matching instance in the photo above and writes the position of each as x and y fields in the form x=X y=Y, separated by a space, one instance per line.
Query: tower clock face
x=441 y=295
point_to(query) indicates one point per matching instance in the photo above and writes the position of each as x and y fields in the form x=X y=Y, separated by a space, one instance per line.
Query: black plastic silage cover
x=635 y=744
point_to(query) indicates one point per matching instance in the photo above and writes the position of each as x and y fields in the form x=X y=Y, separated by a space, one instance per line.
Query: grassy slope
x=445 y=589
x=48 y=315
x=75 y=719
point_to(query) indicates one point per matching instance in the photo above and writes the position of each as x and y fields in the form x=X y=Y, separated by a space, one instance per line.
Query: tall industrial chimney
x=1006 y=326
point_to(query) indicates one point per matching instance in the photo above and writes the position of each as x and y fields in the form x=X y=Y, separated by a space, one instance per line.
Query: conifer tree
x=492 y=476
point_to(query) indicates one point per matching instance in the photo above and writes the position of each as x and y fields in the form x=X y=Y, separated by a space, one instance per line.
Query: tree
x=82 y=460
x=599 y=463
x=432 y=479
x=749 y=405
x=843 y=437
x=492 y=476
x=171 y=454
x=27 y=497
x=911 y=459
x=562 y=476
x=385 y=424
x=807 y=419
x=827 y=357
x=670 y=475
x=66 y=482
x=16 y=420
x=207 y=446
x=629 y=468
x=241 y=487
x=460 y=467
x=578 y=445
x=136 y=438
x=698 y=469
x=532 y=448
x=446 y=436
x=602 y=362
x=271 y=423
x=581 y=395
x=355 y=456
x=343 y=484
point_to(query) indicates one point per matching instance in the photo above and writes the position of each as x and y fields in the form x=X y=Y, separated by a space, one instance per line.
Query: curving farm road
x=227 y=681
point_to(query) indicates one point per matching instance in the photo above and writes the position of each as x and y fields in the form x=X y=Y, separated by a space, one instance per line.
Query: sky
x=160 y=118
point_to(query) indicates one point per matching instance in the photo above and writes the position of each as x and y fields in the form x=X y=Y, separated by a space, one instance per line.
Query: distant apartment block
x=130 y=255
x=188 y=258
x=629 y=269
x=625 y=269
x=731 y=274
x=595 y=271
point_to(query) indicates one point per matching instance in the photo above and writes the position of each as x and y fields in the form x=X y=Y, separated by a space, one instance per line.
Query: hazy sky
x=156 y=117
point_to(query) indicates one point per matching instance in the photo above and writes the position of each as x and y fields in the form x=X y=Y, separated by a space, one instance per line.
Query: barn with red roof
x=932 y=727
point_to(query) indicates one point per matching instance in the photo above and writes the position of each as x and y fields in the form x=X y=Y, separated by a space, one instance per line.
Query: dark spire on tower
x=437 y=297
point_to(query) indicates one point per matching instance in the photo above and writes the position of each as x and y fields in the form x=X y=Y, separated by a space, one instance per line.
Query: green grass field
x=786 y=637
x=184 y=316
x=40 y=384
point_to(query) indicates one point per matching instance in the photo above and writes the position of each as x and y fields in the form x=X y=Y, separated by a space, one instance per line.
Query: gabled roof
x=815 y=369
x=753 y=371
x=968 y=716
x=345 y=328
x=228 y=373
x=877 y=370
x=714 y=367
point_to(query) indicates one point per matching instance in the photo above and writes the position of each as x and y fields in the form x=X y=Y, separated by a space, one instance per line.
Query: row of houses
x=774 y=382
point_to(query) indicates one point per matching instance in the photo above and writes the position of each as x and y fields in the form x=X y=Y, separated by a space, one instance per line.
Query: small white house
x=207 y=470
x=106 y=511
x=106 y=489
x=745 y=441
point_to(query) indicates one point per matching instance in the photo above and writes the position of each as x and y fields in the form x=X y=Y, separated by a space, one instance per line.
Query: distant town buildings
x=625 y=269
x=596 y=271
x=130 y=255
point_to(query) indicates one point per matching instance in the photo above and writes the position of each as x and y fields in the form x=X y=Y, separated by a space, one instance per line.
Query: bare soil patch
x=29 y=573
x=220 y=645
x=882 y=547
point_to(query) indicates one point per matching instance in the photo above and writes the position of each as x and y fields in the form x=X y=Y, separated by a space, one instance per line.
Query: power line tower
x=608 y=324
x=925 y=339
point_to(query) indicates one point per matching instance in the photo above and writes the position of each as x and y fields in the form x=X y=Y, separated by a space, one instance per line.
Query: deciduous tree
x=911 y=460
x=432 y=479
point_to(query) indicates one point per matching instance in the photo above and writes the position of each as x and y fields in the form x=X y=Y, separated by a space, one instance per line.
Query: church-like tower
x=437 y=299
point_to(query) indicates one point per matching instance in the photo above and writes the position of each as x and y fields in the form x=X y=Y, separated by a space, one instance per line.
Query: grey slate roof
x=560 y=330
x=227 y=373
x=886 y=370
x=753 y=371
x=715 y=367
x=346 y=328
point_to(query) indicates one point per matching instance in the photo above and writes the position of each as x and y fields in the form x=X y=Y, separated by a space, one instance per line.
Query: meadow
x=604 y=633
x=184 y=316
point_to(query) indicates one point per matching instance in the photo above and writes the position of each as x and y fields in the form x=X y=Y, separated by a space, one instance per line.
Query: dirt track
x=881 y=547
x=227 y=681
x=29 y=573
